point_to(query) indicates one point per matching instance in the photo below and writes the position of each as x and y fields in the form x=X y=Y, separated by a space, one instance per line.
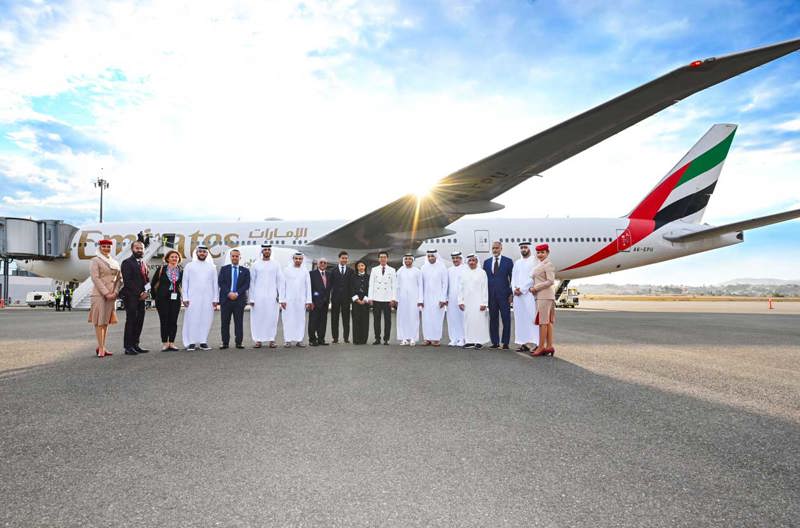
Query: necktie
x=342 y=271
x=383 y=270
x=496 y=265
x=235 y=278
x=324 y=279
x=143 y=268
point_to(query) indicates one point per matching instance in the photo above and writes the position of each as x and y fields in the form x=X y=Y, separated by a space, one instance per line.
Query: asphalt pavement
x=641 y=419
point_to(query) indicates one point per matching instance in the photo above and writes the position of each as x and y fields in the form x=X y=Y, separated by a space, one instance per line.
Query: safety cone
x=2 y=303
x=770 y=303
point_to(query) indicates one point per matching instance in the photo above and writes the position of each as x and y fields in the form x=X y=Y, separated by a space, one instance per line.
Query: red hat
x=105 y=242
x=543 y=247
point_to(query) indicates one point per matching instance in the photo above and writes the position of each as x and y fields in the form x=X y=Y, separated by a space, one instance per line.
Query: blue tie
x=235 y=278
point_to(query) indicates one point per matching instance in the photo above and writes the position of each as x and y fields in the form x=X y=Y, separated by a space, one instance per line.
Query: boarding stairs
x=82 y=296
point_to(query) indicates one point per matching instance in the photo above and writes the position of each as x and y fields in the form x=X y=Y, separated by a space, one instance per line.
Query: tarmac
x=643 y=418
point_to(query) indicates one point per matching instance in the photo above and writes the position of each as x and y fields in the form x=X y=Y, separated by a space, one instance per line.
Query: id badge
x=173 y=296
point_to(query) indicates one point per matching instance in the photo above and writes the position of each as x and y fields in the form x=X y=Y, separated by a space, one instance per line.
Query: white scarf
x=109 y=260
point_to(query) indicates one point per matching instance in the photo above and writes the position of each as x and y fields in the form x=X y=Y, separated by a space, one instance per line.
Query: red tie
x=324 y=279
x=144 y=270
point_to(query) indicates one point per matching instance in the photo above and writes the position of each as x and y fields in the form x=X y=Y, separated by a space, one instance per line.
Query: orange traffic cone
x=2 y=303
x=770 y=303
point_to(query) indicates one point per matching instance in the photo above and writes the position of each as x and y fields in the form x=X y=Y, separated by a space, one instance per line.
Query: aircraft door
x=624 y=240
x=482 y=241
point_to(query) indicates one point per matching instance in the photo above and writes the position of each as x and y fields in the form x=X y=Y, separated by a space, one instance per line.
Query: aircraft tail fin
x=684 y=192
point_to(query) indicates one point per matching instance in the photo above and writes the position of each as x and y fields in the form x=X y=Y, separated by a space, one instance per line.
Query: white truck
x=569 y=298
x=40 y=298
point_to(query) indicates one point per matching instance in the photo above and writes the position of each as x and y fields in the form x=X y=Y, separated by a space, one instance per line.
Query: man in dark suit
x=320 y=296
x=135 y=288
x=498 y=270
x=340 y=297
x=234 y=283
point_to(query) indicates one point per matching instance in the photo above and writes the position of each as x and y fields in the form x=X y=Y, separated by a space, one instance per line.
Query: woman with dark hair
x=106 y=277
x=359 y=288
x=165 y=288
x=544 y=275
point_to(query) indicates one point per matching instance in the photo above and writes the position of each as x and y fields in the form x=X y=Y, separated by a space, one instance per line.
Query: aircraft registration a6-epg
x=664 y=225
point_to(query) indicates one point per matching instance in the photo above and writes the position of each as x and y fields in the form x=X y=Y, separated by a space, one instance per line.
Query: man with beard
x=525 y=331
x=455 y=317
x=266 y=281
x=296 y=297
x=200 y=297
x=434 y=285
x=136 y=287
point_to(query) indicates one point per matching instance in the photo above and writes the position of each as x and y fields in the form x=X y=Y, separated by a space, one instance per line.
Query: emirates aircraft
x=664 y=225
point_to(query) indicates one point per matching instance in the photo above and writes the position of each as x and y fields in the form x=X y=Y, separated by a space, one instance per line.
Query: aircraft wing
x=736 y=227
x=406 y=222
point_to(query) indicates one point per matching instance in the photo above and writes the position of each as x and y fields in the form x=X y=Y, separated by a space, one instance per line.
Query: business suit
x=134 y=278
x=499 y=294
x=229 y=307
x=321 y=285
x=340 y=300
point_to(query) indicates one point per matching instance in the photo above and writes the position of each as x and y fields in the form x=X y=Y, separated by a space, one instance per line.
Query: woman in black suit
x=359 y=287
x=166 y=290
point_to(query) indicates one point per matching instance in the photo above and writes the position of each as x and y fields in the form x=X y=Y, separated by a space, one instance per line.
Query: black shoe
x=140 y=349
x=323 y=343
x=204 y=346
x=130 y=351
x=376 y=342
x=386 y=342
x=223 y=347
x=346 y=340
x=191 y=348
x=239 y=346
x=335 y=341
x=173 y=348
x=505 y=347
x=494 y=346
x=312 y=343
x=478 y=346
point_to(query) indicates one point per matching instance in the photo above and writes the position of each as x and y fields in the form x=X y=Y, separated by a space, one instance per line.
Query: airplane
x=664 y=225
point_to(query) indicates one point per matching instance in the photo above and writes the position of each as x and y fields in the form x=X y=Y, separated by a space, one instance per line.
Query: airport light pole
x=103 y=184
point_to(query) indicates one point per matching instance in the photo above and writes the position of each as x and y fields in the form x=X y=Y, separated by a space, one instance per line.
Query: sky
x=328 y=110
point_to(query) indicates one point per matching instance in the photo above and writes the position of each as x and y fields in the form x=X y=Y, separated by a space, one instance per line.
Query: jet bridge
x=24 y=238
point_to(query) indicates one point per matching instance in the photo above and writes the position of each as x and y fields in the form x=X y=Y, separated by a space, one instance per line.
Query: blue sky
x=208 y=113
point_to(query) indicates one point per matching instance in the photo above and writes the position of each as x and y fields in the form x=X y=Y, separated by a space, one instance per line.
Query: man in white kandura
x=473 y=299
x=200 y=297
x=296 y=297
x=434 y=286
x=266 y=278
x=455 y=317
x=409 y=301
x=525 y=331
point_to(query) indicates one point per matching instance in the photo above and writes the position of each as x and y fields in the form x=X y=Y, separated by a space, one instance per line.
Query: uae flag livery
x=681 y=195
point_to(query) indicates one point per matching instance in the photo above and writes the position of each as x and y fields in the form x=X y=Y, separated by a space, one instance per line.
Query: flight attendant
x=359 y=290
x=544 y=275
x=106 y=276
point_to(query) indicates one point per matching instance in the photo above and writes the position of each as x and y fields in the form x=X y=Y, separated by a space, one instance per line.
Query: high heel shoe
x=539 y=352
x=549 y=351
x=97 y=352
x=108 y=352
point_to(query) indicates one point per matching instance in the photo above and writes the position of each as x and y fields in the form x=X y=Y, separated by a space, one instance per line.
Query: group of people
x=473 y=299
x=63 y=299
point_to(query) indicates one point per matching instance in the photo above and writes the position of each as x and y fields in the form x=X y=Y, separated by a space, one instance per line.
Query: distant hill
x=760 y=282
